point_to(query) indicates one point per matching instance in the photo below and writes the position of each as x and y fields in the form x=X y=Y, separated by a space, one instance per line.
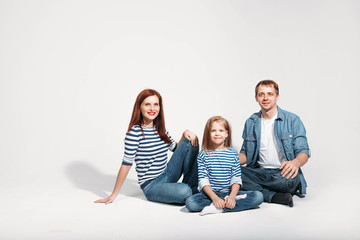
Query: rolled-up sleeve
x=300 y=142
x=236 y=172
x=132 y=139
x=202 y=172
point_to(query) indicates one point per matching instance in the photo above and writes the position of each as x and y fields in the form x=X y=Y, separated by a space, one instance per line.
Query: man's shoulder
x=255 y=116
x=286 y=114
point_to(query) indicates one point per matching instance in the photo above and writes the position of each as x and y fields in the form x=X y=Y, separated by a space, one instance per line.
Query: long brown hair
x=207 y=145
x=137 y=117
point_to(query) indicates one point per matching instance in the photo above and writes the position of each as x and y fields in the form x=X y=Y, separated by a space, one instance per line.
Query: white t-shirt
x=269 y=154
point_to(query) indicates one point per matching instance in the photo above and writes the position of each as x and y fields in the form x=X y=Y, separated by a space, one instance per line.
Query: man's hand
x=290 y=169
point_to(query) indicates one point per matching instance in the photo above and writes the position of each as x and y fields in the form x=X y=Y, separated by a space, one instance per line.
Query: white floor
x=69 y=75
x=61 y=207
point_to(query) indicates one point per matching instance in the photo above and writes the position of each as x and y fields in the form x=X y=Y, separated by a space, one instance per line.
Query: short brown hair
x=267 y=83
x=207 y=145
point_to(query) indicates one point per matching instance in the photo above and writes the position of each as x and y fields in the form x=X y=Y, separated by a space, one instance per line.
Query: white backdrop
x=69 y=75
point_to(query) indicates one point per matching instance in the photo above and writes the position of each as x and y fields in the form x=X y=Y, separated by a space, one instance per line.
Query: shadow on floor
x=85 y=176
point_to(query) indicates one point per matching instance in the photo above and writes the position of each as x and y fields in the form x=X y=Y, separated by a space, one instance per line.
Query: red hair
x=159 y=122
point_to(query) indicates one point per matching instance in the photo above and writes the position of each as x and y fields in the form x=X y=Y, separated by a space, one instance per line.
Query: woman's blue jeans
x=197 y=202
x=165 y=188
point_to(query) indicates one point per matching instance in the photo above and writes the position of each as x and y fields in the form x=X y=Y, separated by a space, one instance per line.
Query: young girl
x=220 y=174
x=146 y=143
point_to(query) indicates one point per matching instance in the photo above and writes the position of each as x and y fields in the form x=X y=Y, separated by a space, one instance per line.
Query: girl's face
x=218 y=134
x=150 y=108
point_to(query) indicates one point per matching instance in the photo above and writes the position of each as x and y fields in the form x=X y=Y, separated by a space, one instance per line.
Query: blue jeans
x=165 y=188
x=268 y=182
x=197 y=202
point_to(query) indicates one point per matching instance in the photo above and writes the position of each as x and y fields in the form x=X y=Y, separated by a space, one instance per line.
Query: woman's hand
x=123 y=172
x=107 y=200
x=191 y=137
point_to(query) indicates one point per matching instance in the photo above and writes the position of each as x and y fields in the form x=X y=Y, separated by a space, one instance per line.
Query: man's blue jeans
x=268 y=182
x=197 y=202
x=165 y=187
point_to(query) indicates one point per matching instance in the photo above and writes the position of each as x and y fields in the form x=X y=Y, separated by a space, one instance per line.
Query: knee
x=194 y=149
x=193 y=153
x=190 y=147
x=293 y=182
x=185 y=192
x=185 y=142
x=258 y=197
x=192 y=205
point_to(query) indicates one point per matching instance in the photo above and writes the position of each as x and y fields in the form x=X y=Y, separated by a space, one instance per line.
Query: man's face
x=266 y=97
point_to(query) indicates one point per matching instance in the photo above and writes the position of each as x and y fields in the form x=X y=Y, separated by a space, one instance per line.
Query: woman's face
x=150 y=108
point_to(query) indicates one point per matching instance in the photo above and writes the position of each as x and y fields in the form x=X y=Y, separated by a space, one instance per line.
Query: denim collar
x=281 y=115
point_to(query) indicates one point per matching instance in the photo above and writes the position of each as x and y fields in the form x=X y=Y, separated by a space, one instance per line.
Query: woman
x=146 y=143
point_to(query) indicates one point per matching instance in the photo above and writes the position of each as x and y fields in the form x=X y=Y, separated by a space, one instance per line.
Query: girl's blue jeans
x=197 y=202
x=165 y=188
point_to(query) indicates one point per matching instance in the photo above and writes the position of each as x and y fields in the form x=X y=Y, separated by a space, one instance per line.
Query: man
x=274 y=148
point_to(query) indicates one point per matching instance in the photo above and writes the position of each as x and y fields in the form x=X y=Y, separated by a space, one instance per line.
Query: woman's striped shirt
x=148 y=151
x=219 y=170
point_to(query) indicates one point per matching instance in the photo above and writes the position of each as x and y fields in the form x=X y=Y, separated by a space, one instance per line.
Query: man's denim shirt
x=290 y=135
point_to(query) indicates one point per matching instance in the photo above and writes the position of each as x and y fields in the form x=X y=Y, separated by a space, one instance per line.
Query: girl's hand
x=230 y=202
x=107 y=200
x=191 y=137
x=219 y=203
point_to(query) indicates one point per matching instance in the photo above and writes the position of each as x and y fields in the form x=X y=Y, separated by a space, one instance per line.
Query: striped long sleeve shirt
x=219 y=170
x=148 y=151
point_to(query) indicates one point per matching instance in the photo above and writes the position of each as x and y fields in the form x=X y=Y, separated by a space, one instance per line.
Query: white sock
x=241 y=196
x=210 y=210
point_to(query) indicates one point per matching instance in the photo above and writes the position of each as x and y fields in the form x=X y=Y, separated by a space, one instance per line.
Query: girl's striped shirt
x=219 y=170
x=148 y=151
